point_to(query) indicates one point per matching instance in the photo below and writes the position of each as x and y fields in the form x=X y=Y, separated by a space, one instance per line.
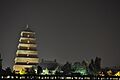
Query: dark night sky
x=70 y=30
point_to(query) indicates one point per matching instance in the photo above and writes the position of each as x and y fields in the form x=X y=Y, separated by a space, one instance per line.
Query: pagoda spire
x=27 y=26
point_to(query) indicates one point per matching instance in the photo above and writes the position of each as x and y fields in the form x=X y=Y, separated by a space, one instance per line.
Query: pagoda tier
x=27 y=54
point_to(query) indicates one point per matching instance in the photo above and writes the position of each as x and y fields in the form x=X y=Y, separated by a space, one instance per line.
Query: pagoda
x=26 y=54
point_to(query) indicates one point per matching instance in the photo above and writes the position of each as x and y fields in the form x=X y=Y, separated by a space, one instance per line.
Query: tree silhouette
x=8 y=71
x=32 y=70
x=98 y=63
x=95 y=66
x=66 y=68
x=39 y=70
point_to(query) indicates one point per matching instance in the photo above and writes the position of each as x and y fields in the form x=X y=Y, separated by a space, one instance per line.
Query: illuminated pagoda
x=27 y=54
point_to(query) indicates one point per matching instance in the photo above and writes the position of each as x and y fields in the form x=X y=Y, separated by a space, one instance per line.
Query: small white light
x=28 y=48
x=28 y=35
x=28 y=41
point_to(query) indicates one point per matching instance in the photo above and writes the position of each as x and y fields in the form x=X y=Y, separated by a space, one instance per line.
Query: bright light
x=22 y=71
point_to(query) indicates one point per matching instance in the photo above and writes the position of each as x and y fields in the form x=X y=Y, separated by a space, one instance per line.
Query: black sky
x=67 y=30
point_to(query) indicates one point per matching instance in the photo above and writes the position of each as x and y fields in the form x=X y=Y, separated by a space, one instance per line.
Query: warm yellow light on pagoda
x=27 y=45
x=24 y=38
x=118 y=73
x=22 y=71
x=31 y=60
x=26 y=52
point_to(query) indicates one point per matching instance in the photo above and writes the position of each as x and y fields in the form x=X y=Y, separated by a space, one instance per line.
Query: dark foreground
x=57 y=77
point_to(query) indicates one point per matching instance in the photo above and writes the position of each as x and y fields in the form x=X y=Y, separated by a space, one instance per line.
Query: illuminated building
x=49 y=67
x=26 y=54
